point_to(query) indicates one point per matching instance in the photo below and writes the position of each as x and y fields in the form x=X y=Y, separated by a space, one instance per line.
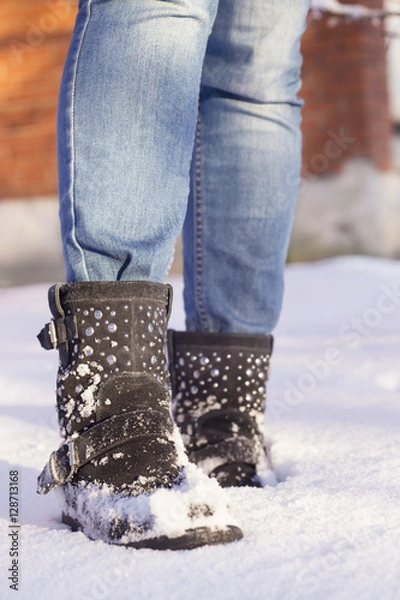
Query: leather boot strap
x=97 y=440
x=234 y=450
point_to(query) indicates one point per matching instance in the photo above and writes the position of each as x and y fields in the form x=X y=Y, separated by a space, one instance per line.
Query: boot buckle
x=62 y=466
x=58 y=331
x=73 y=462
x=64 y=463
x=53 y=333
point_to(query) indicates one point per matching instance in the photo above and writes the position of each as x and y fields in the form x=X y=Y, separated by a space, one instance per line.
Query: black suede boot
x=219 y=391
x=122 y=474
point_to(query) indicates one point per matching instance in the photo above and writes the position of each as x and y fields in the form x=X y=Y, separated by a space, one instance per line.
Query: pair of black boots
x=122 y=473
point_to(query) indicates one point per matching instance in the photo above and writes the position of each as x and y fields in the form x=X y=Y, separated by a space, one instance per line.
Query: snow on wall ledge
x=355 y=211
x=30 y=244
x=355 y=11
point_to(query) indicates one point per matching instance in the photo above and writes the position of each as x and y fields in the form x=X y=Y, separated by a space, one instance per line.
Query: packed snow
x=328 y=528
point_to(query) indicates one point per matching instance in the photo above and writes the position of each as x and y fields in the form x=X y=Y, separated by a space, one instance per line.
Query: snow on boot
x=219 y=392
x=122 y=473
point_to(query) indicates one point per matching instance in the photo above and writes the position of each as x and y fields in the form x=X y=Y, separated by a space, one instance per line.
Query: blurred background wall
x=350 y=195
x=34 y=37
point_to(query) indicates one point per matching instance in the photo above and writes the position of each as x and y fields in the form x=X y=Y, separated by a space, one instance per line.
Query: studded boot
x=219 y=392
x=121 y=473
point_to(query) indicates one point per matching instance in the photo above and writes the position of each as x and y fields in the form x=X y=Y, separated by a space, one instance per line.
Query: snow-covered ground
x=330 y=528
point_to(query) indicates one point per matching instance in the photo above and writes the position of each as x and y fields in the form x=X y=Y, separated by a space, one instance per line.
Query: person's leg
x=246 y=167
x=127 y=115
x=126 y=125
x=245 y=176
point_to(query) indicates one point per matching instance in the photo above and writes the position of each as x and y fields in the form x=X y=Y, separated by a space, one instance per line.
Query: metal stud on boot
x=121 y=473
x=219 y=392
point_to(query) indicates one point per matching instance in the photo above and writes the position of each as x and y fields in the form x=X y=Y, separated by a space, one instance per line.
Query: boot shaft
x=114 y=331
x=213 y=373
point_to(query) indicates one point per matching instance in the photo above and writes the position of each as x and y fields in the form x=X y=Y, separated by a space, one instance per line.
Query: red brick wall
x=34 y=36
x=344 y=88
x=345 y=92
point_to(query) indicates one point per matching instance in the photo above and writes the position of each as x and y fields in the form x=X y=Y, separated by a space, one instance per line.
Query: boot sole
x=193 y=538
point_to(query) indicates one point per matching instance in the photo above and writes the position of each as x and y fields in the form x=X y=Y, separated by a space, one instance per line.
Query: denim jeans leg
x=126 y=121
x=245 y=168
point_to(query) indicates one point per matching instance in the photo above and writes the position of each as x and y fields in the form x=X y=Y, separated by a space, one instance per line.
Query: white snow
x=335 y=7
x=330 y=527
x=198 y=502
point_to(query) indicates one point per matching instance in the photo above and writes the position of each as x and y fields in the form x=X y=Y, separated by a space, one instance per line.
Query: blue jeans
x=149 y=84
